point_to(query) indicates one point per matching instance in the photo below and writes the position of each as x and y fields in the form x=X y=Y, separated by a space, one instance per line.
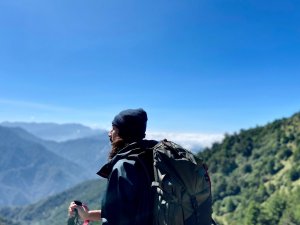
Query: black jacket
x=127 y=200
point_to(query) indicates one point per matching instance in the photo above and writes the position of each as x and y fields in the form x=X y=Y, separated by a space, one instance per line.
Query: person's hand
x=83 y=210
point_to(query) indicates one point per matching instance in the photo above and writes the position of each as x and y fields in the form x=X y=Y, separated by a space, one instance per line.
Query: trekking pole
x=74 y=220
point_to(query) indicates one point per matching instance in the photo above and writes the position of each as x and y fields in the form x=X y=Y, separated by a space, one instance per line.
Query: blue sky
x=205 y=66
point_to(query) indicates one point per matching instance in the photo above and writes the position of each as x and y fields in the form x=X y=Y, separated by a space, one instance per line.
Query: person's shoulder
x=136 y=152
x=148 y=143
x=128 y=168
x=126 y=165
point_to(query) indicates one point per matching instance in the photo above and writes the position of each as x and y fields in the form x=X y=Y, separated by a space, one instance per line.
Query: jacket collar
x=135 y=148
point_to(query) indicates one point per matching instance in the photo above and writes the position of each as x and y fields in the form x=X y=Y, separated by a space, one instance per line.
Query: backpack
x=181 y=187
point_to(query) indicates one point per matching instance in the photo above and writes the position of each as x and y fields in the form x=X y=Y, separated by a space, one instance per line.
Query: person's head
x=128 y=126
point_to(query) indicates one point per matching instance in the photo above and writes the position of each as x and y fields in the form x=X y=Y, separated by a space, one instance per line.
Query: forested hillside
x=255 y=175
x=54 y=210
x=32 y=168
x=6 y=222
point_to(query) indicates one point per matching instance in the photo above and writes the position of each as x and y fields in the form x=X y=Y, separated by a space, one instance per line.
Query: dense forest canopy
x=255 y=174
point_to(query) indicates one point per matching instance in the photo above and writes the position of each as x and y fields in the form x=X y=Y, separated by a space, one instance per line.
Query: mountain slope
x=6 y=222
x=53 y=210
x=255 y=174
x=28 y=171
x=90 y=152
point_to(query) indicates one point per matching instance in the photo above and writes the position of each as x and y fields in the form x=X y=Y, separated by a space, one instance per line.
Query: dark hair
x=116 y=146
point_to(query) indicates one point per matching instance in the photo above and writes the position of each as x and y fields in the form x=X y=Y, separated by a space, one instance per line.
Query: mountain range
x=32 y=168
x=255 y=176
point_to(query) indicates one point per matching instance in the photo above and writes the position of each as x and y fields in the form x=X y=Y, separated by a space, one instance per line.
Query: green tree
x=261 y=194
x=252 y=214
x=247 y=168
x=285 y=153
x=230 y=205
x=294 y=174
x=275 y=208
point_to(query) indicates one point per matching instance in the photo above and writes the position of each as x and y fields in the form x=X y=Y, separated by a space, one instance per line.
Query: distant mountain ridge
x=54 y=131
x=32 y=168
x=28 y=170
x=88 y=151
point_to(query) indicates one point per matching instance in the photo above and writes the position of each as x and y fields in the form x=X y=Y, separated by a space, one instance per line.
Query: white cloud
x=191 y=141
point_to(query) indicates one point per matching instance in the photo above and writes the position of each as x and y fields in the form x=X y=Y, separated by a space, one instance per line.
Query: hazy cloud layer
x=191 y=141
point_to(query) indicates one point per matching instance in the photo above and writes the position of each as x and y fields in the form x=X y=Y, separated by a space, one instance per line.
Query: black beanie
x=131 y=123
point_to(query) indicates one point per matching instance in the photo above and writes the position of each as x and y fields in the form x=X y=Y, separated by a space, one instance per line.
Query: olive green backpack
x=182 y=188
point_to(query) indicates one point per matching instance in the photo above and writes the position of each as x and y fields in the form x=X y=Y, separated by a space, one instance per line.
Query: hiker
x=128 y=195
x=150 y=182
